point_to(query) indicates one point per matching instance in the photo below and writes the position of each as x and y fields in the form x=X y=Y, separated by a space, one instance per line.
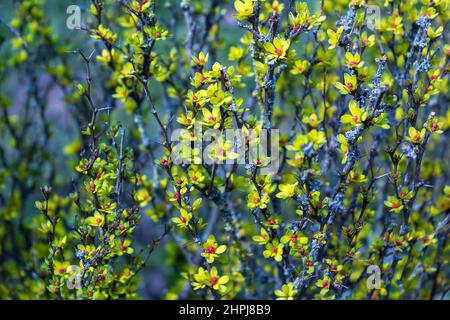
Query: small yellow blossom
x=287 y=292
x=416 y=136
x=286 y=190
x=274 y=250
x=98 y=220
x=210 y=279
x=394 y=203
x=334 y=37
x=211 y=249
x=357 y=116
x=201 y=60
x=349 y=86
x=244 y=9
x=277 y=49
x=299 y=67
x=353 y=60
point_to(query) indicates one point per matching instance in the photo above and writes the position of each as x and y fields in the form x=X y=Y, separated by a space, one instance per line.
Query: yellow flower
x=212 y=119
x=143 y=197
x=434 y=75
x=356 y=176
x=343 y=147
x=287 y=190
x=274 y=250
x=349 y=86
x=199 y=281
x=317 y=138
x=97 y=220
x=428 y=11
x=262 y=239
x=211 y=279
x=87 y=250
x=183 y=220
x=303 y=19
x=395 y=25
x=195 y=100
x=244 y=9
x=357 y=115
x=274 y=7
x=222 y=150
x=273 y=222
x=255 y=201
x=299 y=67
x=217 y=282
x=428 y=240
x=186 y=120
x=293 y=239
x=353 y=61
x=196 y=177
x=121 y=94
x=434 y=126
x=60 y=268
x=358 y=3
x=201 y=60
x=211 y=249
x=394 y=203
x=218 y=97
x=141 y=7
x=106 y=56
x=277 y=49
x=287 y=292
x=334 y=37
x=104 y=33
x=415 y=136
x=447 y=50
x=297 y=160
x=122 y=247
x=157 y=32
x=312 y=120
x=236 y=53
x=325 y=284
x=367 y=41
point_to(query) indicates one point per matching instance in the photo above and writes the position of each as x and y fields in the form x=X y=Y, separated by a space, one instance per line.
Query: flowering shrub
x=150 y=192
